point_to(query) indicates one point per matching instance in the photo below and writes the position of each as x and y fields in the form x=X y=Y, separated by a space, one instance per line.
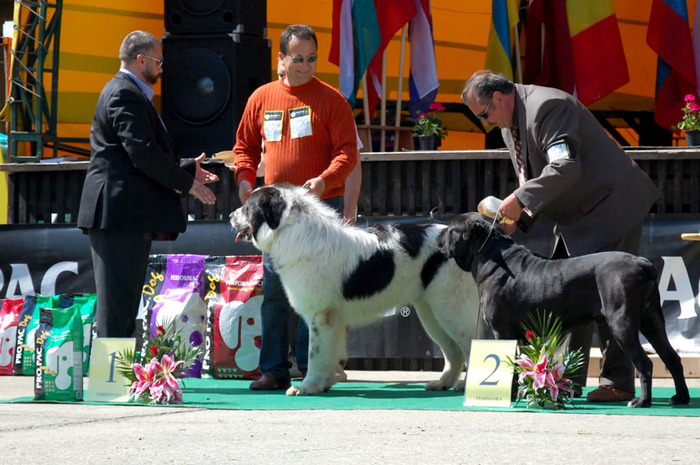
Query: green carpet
x=235 y=395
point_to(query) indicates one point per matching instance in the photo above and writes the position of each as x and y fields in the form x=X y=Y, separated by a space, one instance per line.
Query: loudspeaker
x=216 y=16
x=206 y=83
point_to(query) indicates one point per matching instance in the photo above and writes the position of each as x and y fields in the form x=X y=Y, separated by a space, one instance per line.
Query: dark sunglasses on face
x=485 y=114
x=300 y=60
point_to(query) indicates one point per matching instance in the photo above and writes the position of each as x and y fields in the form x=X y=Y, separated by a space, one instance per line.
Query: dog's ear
x=273 y=208
x=475 y=230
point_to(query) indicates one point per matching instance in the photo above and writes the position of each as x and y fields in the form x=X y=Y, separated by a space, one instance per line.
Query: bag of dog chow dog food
x=87 y=303
x=9 y=316
x=58 y=355
x=23 y=363
x=234 y=330
x=173 y=292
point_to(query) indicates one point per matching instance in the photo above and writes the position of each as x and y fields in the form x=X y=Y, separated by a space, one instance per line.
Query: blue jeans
x=274 y=312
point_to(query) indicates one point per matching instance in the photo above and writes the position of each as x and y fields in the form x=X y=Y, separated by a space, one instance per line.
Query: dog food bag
x=23 y=363
x=175 y=284
x=87 y=303
x=59 y=354
x=9 y=316
x=234 y=330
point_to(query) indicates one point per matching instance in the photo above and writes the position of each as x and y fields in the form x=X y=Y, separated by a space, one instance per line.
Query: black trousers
x=119 y=259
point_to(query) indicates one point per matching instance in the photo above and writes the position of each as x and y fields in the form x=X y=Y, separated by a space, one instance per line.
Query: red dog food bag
x=233 y=294
x=9 y=317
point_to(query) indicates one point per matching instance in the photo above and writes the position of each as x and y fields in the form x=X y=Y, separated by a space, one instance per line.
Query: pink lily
x=144 y=378
x=555 y=382
x=166 y=388
x=541 y=372
x=537 y=372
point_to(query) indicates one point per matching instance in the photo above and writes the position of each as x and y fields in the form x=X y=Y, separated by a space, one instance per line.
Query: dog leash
x=493 y=224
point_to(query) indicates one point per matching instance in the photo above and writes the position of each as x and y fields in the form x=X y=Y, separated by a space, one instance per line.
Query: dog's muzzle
x=244 y=234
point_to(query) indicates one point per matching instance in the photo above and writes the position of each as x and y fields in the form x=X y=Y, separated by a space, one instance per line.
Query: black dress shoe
x=269 y=383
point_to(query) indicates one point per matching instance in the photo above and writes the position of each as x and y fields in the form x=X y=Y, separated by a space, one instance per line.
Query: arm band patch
x=560 y=150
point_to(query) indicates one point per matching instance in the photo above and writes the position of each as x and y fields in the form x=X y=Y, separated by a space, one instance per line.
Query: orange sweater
x=308 y=131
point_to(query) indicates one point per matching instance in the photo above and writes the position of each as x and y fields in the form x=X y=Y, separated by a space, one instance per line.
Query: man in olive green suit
x=571 y=171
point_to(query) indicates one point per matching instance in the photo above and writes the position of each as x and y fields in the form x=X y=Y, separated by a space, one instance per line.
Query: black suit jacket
x=135 y=179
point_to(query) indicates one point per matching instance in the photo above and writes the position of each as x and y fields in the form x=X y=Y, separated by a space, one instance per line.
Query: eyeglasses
x=485 y=113
x=158 y=60
x=300 y=60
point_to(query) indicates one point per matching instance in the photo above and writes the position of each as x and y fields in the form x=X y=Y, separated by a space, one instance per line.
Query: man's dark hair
x=135 y=43
x=483 y=84
x=301 y=31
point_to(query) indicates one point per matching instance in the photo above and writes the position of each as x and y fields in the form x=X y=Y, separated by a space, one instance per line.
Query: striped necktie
x=522 y=170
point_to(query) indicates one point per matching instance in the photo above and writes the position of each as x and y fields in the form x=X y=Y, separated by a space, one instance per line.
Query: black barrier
x=55 y=259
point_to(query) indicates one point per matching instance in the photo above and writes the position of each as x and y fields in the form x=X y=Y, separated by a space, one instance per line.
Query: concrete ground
x=74 y=434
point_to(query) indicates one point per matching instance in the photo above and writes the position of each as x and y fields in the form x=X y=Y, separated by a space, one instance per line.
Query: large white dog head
x=270 y=210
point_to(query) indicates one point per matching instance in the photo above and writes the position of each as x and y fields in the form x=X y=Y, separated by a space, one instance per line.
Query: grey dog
x=617 y=286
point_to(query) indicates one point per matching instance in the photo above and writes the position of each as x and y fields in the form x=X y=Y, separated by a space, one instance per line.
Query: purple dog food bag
x=173 y=291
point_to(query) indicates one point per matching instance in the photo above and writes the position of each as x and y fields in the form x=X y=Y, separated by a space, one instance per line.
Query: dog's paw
x=680 y=399
x=436 y=386
x=638 y=402
x=294 y=391
x=460 y=386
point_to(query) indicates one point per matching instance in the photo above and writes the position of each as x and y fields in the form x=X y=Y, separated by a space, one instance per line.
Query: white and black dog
x=617 y=286
x=337 y=276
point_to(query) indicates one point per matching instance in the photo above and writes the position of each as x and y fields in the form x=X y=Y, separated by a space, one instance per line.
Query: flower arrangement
x=156 y=382
x=543 y=370
x=429 y=124
x=691 y=115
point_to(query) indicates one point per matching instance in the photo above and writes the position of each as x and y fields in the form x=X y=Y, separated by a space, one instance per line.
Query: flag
x=391 y=16
x=548 y=55
x=669 y=36
x=499 y=56
x=423 y=80
x=355 y=40
x=600 y=66
x=696 y=45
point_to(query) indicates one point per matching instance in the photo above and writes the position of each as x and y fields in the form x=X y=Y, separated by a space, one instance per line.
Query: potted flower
x=428 y=131
x=544 y=370
x=691 y=121
x=154 y=376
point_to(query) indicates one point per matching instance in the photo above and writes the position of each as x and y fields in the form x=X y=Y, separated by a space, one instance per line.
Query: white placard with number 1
x=105 y=383
x=489 y=377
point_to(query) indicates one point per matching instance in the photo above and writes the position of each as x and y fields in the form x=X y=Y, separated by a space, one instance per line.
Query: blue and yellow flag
x=499 y=54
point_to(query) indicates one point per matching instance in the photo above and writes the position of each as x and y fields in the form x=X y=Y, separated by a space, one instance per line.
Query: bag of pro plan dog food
x=171 y=294
x=233 y=294
x=58 y=353
x=23 y=363
x=9 y=316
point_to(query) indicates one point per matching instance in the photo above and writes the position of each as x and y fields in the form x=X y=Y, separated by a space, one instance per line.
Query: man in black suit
x=133 y=185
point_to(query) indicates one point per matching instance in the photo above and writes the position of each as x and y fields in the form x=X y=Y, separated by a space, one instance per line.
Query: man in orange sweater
x=309 y=137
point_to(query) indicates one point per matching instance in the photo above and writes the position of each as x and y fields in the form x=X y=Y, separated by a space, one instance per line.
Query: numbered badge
x=300 y=122
x=105 y=383
x=489 y=377
x=272 y=125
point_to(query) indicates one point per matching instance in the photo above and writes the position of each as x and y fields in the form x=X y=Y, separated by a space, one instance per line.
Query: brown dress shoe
x=268 y=383
x=607 y=393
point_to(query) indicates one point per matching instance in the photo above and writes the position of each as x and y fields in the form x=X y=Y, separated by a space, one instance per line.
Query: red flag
x=669 y=36
x=548 y=53
x=599 y=58
x=391 y=15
